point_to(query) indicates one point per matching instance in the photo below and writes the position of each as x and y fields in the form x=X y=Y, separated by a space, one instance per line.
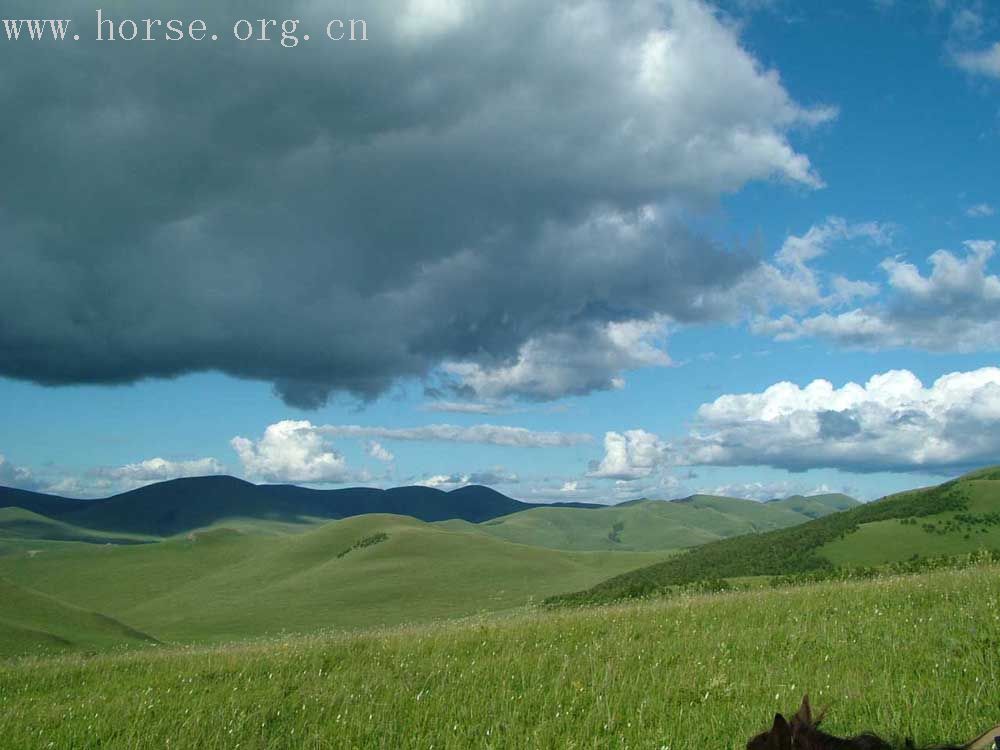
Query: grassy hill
x=222 y=584
x=687 y=673
x=656 y=525
x=31 y=622
x=18 y=523
x=815 y=506
x=958 y=516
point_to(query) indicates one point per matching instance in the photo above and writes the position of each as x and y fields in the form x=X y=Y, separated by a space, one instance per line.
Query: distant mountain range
x=179 y=505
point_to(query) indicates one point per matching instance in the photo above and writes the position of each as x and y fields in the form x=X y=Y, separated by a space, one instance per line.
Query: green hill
x=656 y=525
x=816 y=506
x=18 y=523
x=955 y=517
x=222 y=584
x=32 y=622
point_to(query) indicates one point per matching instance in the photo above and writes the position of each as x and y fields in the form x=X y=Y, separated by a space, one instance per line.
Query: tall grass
x=907 y=656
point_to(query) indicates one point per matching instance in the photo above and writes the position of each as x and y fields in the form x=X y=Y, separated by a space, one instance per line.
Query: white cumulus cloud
x=290 y=451
x=891 y=423
x=570 y=362
x=630 y=455
x=791 y=281
x=956 y=307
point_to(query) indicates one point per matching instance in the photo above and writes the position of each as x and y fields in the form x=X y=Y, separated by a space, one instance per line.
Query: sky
x=574 y=250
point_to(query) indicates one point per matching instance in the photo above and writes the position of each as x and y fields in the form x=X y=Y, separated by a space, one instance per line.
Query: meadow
x=907 y=656
x=222 y=585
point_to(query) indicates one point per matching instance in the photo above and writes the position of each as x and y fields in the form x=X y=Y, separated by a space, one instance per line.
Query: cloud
x=762 y=491
x=791 y=282
x=375 y=449
x=574 y=362
x=299 y=451
x=478 y=183
x=489 y=478
x=161 y=469
x=483 y=434
x=980 y=210
x=103 y=481
x=984 y=62
x=465 y=407
x=19 y=477
x=575 y=489
x=954 y=308
x=891 y=423
x=628 y=456
x=291 y=451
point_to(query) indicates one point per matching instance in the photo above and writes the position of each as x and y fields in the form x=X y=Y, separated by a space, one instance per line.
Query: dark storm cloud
x=475 y=179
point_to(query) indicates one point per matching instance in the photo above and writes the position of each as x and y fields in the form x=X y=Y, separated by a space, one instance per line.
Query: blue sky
x=809 y=159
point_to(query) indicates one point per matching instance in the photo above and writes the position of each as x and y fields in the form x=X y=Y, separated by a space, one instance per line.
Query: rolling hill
x=656 y=525
x=363 y=571
x=815 y=506
x=18 y=523
x=959 y=516
x=32 y=622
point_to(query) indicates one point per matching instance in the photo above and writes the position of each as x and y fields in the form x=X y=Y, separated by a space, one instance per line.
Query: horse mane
x=803 y=733
x=806 y=734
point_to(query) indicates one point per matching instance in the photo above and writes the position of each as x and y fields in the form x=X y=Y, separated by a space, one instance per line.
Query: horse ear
x=780 y=736
x=804 y=713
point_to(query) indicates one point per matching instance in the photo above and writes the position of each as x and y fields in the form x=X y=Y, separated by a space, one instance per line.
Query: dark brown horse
x=803 y=733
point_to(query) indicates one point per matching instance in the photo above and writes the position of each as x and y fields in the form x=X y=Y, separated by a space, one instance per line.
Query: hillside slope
x=32 y=622
x=650 y=524
x=18 y=523
x=839 y=538
x=363 y=571
x=816 y=506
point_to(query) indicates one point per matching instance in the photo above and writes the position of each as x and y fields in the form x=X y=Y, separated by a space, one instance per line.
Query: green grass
x=31 y=622
x=17 y=523
x=891 y=540
x=655 y=525
x=814 y=545
x=908 y=656
x=816 y=506
x=223 y=585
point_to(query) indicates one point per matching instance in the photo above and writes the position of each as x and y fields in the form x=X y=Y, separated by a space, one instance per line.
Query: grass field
x=33 y=622
x=223 y=585
x=908 y=656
